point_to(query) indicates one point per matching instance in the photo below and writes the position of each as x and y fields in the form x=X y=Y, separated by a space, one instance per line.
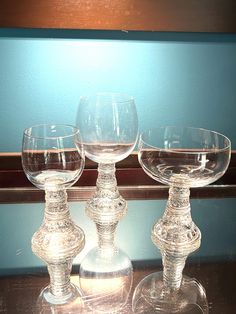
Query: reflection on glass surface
x=106 y=279
x=109 y=126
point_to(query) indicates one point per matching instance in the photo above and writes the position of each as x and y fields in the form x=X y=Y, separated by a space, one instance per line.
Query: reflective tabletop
x=23 y=275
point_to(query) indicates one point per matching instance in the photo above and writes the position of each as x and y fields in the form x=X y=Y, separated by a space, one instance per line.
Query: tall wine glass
x=53 y=160
x=109 y=129
x=181 y=157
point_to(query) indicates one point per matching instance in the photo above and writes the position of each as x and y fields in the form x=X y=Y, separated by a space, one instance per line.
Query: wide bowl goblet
x=182 y=157
x=109 y=129
x=53 y=160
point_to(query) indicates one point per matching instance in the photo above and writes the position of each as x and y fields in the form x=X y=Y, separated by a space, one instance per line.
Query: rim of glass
x=126 y=97
x=72 y=127
x=186 y=127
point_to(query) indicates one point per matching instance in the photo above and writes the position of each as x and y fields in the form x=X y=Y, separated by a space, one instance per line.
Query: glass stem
x=60 y=278
x=58 y=240
x=106 y=180
x=172 y=270
x=56 y=206
x=176 y=235
x=106 y=235
x=107 y=206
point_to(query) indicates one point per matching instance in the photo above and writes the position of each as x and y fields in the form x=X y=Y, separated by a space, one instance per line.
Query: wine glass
x=53 y=160
x=109 y=129
x=182 y=157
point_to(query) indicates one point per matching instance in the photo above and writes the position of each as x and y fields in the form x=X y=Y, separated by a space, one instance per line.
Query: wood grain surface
x=127 y=15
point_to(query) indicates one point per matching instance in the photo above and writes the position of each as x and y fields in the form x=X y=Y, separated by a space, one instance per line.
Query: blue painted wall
x=187 y=79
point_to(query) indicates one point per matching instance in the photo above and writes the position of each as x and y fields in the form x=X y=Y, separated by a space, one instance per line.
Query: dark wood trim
x=132 y=181
x=144 y=192
x=127 y=15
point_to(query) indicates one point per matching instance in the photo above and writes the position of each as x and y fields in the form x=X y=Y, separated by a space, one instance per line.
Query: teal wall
x=187 y=79
x=176 y=79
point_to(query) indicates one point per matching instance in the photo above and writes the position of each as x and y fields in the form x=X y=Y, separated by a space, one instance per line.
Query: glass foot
x=151 y=296
x=46 y=296
x=105 y=279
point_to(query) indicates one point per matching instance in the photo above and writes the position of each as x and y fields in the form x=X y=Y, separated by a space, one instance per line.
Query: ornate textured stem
x=175 y=234
x=60 y=278
x=106 y=235
x=172 y=272
x=107 y=206
x=58 y=241
x=106 y=273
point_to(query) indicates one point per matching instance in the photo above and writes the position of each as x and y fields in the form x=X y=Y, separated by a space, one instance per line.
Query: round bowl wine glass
x=53 y=160
x=109 y=129
x=182 y=157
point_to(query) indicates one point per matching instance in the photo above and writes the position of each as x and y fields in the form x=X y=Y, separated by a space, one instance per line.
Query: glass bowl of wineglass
x=53 y=160
x=109 y=128
x=183 y=158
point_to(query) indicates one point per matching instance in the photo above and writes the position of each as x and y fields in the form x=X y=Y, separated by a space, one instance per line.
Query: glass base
x=151 y=296
x=106 y=277
x=46 y=298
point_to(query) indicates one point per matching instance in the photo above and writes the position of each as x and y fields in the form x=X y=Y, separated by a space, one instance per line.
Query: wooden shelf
x=127 y=15
x=133 y=183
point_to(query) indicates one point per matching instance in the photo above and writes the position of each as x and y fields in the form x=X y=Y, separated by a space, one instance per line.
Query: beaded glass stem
x=107 y=206
x=57 y=242
x=112 y=275
x=175 y=234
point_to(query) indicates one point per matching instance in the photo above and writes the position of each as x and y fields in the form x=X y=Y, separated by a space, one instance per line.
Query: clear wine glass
x=53 y=160
x=182 y=157
x=109 y=129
